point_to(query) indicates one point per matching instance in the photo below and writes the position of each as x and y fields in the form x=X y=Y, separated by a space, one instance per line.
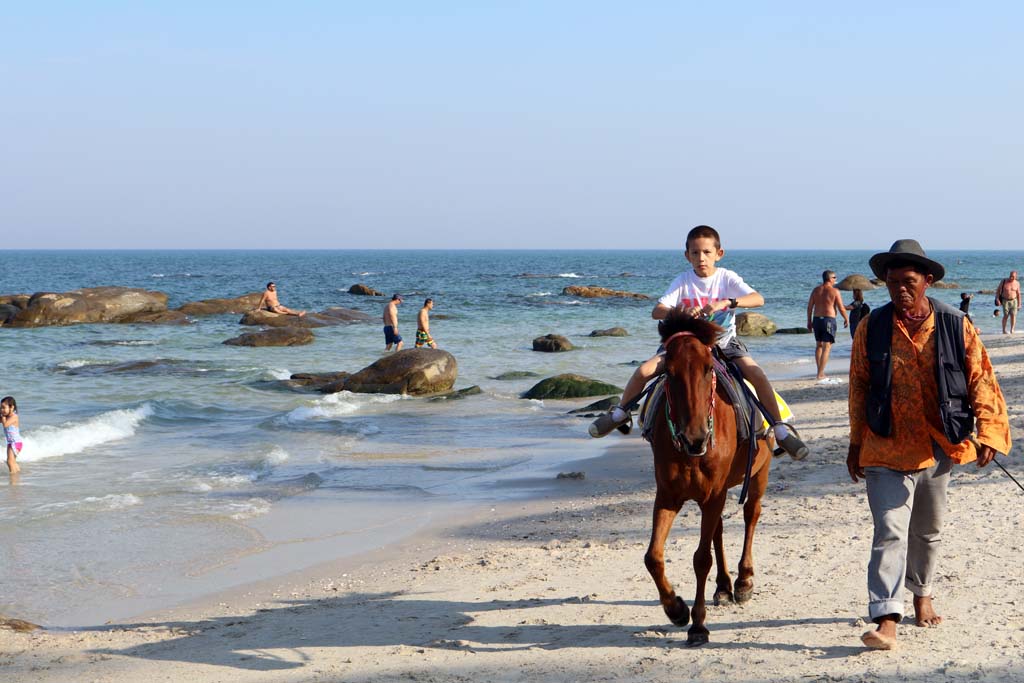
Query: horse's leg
x=664 y=514
x=710 y=520
x=751 y=513
x=723 y=582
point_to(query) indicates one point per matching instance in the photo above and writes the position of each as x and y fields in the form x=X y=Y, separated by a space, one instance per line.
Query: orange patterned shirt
x=916 y=422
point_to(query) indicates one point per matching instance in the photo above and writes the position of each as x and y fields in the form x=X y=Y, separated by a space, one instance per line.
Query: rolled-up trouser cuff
x=877 y=610
x=917 y=589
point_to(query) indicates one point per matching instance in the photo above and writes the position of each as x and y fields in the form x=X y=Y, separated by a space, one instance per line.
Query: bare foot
x=924 y=612
x=882 y=639
x=302 y=313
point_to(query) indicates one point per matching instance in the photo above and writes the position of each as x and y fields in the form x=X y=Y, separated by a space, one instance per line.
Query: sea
x=146 y=485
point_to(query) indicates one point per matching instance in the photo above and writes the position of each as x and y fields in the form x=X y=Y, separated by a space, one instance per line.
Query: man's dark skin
x=907 y=290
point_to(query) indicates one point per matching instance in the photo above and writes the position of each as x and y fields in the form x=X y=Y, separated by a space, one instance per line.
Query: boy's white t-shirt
x=688 y=290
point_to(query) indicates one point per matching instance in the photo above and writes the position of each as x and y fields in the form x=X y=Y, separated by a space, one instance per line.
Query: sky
x=550 y=124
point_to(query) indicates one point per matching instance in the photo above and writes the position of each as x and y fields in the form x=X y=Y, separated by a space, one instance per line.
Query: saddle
x=729 y=391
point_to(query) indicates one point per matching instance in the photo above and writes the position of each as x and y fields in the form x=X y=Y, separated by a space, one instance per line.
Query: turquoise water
x=147 y=487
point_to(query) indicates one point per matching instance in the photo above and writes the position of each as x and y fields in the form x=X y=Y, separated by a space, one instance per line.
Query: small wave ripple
x=75 y=437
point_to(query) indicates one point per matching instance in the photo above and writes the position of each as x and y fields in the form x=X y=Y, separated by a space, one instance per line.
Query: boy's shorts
x=390 y=336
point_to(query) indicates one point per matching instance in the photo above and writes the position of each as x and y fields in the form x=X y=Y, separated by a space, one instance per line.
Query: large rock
x=610 y=332
x=363 y=290
x=160 y=318
x=412 y=371
x=855 y=281
x=349 y=315
x=240 y=304
x=570 y=386
x=331 y=316
x=552 y=343
x=278 y=336
x=754 y=325
x=595 y=292
x=90 y=305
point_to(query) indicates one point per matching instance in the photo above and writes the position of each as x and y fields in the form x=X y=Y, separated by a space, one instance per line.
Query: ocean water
x=152 y=484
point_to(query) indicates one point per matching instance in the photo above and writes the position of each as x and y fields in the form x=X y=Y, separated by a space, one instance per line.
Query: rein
x=671 y=413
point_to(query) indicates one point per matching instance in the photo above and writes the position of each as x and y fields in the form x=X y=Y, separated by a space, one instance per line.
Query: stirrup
x=798 y=450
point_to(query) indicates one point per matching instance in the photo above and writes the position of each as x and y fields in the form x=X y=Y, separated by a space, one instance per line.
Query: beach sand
x=554 y=589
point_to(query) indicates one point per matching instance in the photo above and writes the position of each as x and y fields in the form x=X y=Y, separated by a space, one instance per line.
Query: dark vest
x=950 y=368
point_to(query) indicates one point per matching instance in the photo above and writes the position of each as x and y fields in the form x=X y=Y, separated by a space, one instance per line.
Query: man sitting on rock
x=268 y=302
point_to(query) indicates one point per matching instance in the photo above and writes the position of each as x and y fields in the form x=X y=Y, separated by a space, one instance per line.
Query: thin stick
x=1008 y=474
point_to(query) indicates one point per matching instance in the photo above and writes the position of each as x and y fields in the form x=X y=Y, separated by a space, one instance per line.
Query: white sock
x=619 y=414
x=781 y=432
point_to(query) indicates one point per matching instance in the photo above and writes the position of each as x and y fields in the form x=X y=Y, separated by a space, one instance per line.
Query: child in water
x=12 y=433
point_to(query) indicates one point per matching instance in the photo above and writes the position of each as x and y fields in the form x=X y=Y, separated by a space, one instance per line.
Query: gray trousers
x=908 y=509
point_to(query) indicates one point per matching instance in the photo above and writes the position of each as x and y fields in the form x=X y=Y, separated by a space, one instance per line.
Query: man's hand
x=853 y=463
x=985 y=455
x=846 y=323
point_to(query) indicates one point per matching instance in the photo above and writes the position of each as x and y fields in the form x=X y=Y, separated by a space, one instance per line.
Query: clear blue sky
x=515 y=124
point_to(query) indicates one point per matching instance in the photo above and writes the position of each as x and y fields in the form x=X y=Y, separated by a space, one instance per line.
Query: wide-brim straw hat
x=906 y=251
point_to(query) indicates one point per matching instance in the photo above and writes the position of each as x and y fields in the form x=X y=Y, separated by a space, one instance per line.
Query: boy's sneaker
x=604 y=424
x=796 y=448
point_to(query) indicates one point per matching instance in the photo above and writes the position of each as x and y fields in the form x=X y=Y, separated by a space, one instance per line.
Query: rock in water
x=416 y=372
x=595 y=292
x=754 y=325
x=570 y=386
x=610 y=332
x=277 y=336
x=552 y=343
x=240 y=304
x=363 y=290
x=855 y=281
x=90 y=305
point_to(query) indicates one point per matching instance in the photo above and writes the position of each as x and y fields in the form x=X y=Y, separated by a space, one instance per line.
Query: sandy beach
x=555 y=589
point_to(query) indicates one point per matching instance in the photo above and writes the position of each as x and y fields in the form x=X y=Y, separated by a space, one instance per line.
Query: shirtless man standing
x=391 y=336
x=423 y=337
x=269 y=302
x=1008 y=296
x=824 y=302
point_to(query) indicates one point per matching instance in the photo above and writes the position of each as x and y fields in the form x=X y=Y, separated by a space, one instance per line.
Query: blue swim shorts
x=390 y=336
x=824 y=329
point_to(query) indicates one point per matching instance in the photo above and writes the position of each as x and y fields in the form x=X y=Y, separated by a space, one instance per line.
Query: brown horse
x=697 y=457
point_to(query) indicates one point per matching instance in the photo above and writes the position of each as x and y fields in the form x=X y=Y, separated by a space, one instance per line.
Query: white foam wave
x=338 y=405
x=569 y=275
x=540 y=294
x=71 y=437
x=111 y=501
x=157 y=275
x=74 y=363
x=276 y=456
x=133 y=342
x=278 y=373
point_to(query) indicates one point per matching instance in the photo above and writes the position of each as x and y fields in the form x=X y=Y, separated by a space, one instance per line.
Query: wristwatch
x=733 y=303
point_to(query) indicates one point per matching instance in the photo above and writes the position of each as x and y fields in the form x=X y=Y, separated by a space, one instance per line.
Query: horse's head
x=690 y=390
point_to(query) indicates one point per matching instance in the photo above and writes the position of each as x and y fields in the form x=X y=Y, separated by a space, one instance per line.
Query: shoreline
x=553 y=587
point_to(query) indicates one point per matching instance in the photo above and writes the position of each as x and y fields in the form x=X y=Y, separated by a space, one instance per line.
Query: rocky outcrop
x=240 y=304
x=159 y=318
x=363 y=290
x=610 y=332
x=570 y=386
x=337 y=316
x=552 y=343
x=278 y=336
x=855 y=281
x=416 y=372
x=595 y=292
x=89 y=305
x=754 y=325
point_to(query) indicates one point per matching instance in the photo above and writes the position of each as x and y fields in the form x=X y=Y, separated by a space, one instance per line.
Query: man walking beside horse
x=923 y=396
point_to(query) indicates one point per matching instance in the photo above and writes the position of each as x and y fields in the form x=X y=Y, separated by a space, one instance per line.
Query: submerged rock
x=570 y=386
x=416 y=372
x=277 y=336
x=552 y=343
x=461 y=393
x=19 y=625
x=596 y=408
x=349 y=315
x=363 y=290
x=595 y=292
x=516 y=374
x=610 y=332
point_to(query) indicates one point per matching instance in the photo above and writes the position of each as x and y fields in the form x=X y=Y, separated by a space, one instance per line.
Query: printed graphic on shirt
x=688 y=290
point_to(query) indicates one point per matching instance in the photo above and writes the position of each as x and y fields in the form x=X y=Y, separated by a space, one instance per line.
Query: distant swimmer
x=821 y=318
x=391 y=336
x=423 y=337
x=12 y=432
x=268 y=302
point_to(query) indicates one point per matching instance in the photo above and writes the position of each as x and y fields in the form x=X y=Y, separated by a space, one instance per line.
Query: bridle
x=671 y=414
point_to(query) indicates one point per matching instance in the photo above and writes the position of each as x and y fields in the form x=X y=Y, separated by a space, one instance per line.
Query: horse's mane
x=678 y=321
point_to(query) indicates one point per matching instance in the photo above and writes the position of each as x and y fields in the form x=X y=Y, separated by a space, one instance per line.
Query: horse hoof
x=723 y=598
x=744 y=595
x=697 y=637
x=680 y=616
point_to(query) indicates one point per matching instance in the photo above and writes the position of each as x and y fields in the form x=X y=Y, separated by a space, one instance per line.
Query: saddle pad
x=727 y=385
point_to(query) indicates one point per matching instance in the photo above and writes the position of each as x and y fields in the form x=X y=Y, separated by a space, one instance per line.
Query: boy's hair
x=9 y=401
x=428 y=302
x=703 y=231
x=826 y=275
